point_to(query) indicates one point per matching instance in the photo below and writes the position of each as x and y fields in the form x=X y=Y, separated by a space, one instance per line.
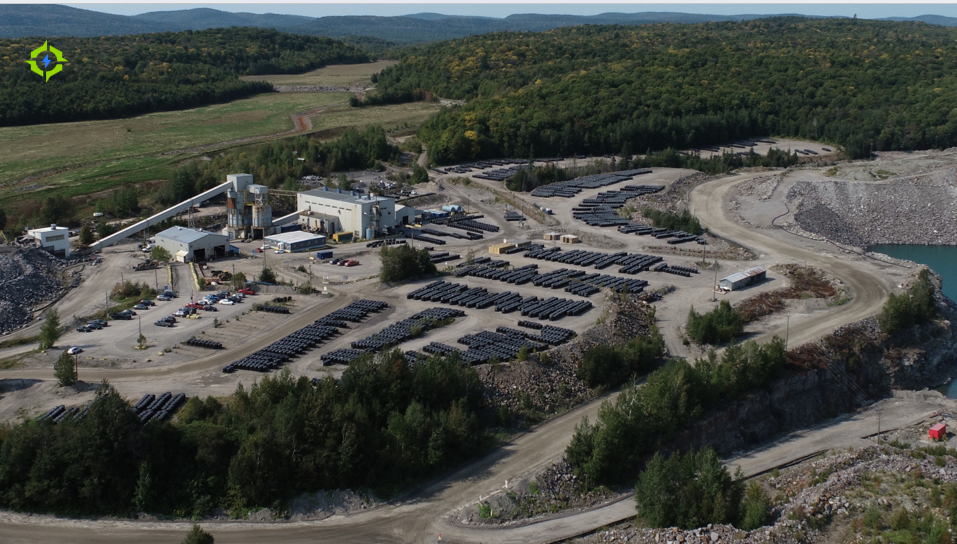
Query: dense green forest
x=386 y=423
x=627 y=89
x=119 y=76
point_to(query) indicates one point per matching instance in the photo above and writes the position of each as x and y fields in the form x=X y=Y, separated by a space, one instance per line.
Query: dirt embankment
x=918 y=209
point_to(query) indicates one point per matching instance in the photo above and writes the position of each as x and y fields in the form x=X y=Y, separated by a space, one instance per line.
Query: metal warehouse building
x=351 y=213
x=742 y=279
x=296 y=241
x=191 y=245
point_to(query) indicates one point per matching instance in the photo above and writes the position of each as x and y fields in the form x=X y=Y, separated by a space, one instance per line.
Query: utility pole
x=107 y=300
x=76 y=368
x=714 y=288
x=787 y=333
x=156 y=281
x=879 y=413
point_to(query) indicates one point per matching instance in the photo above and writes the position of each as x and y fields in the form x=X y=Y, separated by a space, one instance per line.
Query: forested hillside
x=612 y=89
x=118 y=76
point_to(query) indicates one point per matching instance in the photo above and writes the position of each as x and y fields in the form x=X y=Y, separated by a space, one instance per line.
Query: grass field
x=388 y=117
x=343 y=74
x=30 y=150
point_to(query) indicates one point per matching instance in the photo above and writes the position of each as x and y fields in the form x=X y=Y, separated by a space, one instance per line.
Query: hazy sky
x=862 y=10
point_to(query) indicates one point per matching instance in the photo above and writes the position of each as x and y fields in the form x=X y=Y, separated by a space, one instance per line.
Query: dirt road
x=421 y=516
x=870 y=289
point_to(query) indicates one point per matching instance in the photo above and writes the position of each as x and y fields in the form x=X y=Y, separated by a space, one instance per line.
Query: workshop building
x=740 y=280
x=192 y=245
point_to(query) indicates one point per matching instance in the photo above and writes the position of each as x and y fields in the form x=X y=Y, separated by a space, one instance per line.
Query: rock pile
x=28 y=278
x=761 y=187
x=919 y=209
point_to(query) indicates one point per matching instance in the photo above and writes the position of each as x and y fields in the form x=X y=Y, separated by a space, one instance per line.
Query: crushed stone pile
x=28 y=279
x=919 y=209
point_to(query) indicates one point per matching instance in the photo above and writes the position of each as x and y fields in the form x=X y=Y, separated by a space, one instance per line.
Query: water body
x=940 y=259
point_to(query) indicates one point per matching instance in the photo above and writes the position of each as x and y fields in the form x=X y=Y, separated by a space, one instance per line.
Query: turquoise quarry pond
x=941 y=259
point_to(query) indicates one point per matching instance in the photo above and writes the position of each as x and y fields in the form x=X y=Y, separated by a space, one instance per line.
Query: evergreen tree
x=64 y=370
x=50 y=332
x=86 y=235
x=198 y=536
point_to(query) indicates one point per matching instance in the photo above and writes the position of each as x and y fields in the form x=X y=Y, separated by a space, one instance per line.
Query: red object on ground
x=247 y=291
x=938 y=432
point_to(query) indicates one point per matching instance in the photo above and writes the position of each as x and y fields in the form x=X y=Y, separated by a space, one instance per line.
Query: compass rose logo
x=46 y=61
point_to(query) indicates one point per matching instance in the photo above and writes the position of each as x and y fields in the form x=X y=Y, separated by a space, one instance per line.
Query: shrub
x=756 y=508
x=267 y=276
x=128 y=289
x=720 y=325
x=161 y=254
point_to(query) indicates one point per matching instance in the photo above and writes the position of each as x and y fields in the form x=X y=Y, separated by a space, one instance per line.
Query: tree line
x=601 y=89
x=118 y=76
x=384 y=424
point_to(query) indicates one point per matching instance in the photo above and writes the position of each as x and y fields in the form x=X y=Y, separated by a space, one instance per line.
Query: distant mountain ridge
x=19 y=21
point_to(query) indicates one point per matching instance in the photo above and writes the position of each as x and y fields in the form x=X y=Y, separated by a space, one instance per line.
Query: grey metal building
x=740 y=280
x=191 y=245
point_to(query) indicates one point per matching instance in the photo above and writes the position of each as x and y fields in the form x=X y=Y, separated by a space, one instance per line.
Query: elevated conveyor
x=168 y=213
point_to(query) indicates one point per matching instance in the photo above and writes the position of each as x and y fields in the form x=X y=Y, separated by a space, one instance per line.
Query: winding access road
x=423 y=515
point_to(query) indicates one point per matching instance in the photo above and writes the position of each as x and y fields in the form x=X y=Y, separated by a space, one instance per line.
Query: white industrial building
x=337 y=211
x=296 y=240
x=54 y=239
x=192 y=245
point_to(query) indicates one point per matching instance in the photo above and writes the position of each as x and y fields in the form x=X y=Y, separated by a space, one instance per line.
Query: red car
x=350 y=262
x=247 y=291
x=195 y=305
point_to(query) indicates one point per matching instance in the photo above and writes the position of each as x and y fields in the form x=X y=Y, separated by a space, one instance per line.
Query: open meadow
x=31 y=150
x=340 y=74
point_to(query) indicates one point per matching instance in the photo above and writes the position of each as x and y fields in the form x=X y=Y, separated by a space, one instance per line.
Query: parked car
x=101 y=322
x=162 y=323
x=141 y=307
x=335 y=261
x=234 y=299
x=94 y=326
x=210 y=308
x=148 y=302
x=126 y=317
x=84 y=329
x=222 y=294
x=74 y=350
x=350 y=262
x=228 y=302
x=280 y=251
x=164 y=298
x=181 y=312
x=247 y=291
x=170 y=294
